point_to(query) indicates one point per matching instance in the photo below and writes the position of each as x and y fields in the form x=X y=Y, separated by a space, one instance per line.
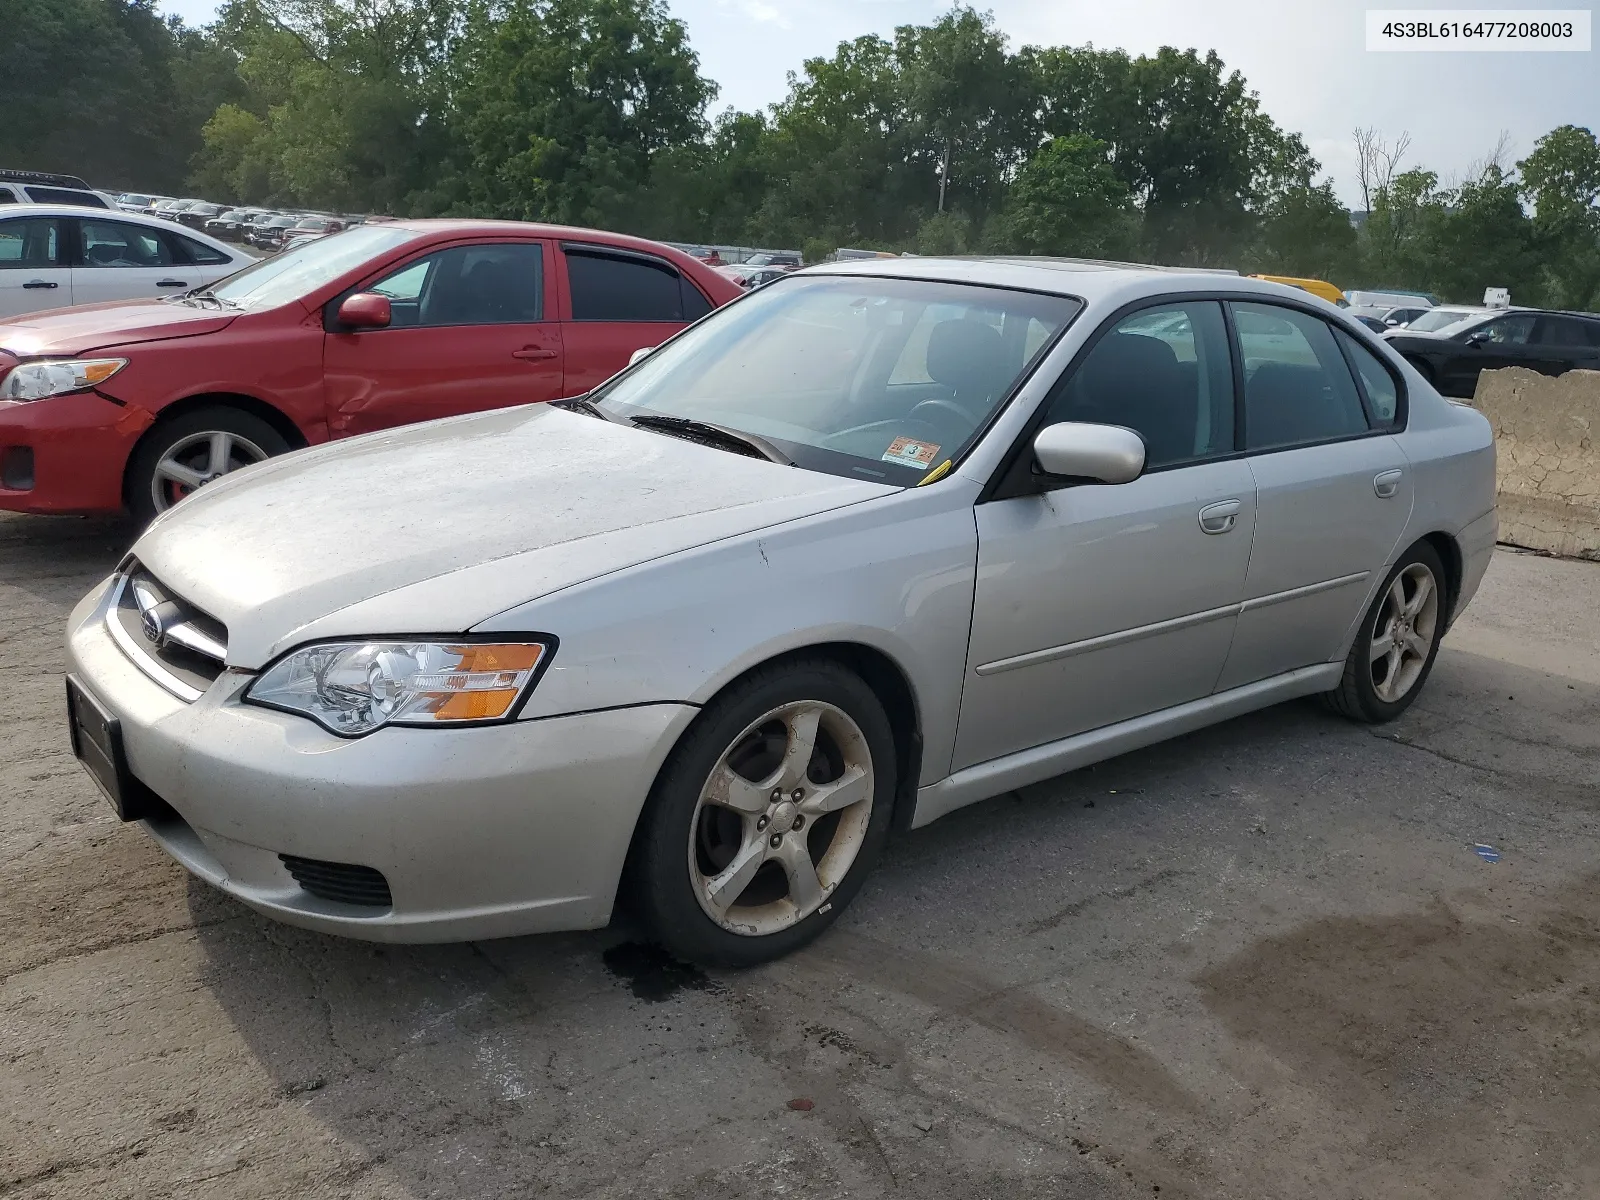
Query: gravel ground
x=1260 y=961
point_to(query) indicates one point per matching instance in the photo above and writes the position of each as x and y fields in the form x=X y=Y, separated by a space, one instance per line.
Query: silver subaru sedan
x=877 y=541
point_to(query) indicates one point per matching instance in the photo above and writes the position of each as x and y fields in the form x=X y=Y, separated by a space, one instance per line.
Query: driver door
x=1098 y=603
x=470 y=331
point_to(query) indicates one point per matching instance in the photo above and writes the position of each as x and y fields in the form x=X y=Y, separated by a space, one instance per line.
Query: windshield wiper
x=580 y=404
x=721 y=436
x=196 y=295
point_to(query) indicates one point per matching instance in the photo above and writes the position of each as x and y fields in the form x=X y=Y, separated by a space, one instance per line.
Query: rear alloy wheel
x=768 y=816
x=1397 y=642
x=181 y=456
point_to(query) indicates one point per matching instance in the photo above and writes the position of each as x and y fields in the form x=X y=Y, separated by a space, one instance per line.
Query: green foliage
x=1068 y=200
x=1562 y=179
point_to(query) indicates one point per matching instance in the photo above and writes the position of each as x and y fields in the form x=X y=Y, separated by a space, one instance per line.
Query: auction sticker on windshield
x=909 y=453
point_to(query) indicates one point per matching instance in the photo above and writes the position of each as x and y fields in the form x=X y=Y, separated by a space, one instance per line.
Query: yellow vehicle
x=1317 y=287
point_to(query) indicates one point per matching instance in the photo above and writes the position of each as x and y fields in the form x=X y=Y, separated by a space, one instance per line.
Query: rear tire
x=181 y=454
x=1397 y=642
x=767 y=816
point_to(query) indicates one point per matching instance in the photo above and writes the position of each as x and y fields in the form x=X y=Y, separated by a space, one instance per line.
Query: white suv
x=55 y=255
x=41 y=187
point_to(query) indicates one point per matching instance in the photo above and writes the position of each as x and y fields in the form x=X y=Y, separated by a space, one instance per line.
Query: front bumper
x=480 y=832
x=78 y=447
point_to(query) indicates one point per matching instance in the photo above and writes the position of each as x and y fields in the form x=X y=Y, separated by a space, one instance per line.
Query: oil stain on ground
x=652 y=974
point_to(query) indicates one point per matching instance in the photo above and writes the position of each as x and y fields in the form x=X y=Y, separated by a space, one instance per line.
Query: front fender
x=895 y=574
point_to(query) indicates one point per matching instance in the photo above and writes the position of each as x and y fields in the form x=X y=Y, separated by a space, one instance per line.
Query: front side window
x=1508 y=331
x=1166 y=374
x=1297 y=388
x=873 y=378
x=608 y=287
x=501 y=283
x=113 y=244
x=29 y=243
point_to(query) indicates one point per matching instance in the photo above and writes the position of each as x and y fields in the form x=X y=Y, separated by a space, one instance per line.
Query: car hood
x=434 y=528
x=117 y=323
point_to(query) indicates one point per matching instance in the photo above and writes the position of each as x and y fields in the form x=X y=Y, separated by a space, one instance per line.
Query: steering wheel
x=947 y=407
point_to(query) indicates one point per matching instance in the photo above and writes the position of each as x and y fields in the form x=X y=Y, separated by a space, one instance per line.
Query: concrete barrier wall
x=1547 y=438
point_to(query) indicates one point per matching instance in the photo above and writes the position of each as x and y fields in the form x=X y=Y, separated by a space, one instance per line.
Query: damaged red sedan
x=133 y=405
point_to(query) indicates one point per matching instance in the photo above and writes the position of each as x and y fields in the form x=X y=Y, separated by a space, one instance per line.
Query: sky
x=1306 y=58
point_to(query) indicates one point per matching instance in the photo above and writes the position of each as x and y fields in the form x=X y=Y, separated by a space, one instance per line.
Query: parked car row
x=267 y=229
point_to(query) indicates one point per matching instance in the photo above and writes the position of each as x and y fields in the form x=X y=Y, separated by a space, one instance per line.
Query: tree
x=1562 y=179
x=1068 y=200
x=1377 y=163
x=560 y=105
x=94 y=88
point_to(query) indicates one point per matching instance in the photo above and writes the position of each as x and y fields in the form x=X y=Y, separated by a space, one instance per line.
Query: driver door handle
x=1219 y=517
x=1387 y=483
x=532 y=353
x=41 y=283
x=171 y=283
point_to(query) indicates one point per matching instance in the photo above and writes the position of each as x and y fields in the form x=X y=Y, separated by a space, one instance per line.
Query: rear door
x=1565 y=343
x=619 y=301
x=470 y=332
x=33 y=264
x=1333 y=487
x=118 y=260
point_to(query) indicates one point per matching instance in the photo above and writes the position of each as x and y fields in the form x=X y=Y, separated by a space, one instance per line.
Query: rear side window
x=1165 y=373
x=7 y=196
x=114 y=244
x=49 y=195
x=1298 y=389
x=1383 y=394
x=611 y=288
x=1564 y=331
x=29 y=243
x=199 y=252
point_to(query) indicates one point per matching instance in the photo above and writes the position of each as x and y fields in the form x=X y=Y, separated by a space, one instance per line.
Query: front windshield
x=1436 y=319
x=874 y=378
x=292 y=274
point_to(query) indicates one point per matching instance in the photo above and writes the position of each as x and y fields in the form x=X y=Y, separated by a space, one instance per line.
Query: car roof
x=1099 y=282
x=573 y=233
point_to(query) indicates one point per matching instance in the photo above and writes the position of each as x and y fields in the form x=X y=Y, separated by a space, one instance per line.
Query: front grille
x=172 y=641
x=344 y=883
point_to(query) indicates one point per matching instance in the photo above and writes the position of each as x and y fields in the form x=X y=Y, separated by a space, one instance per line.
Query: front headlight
x=351 y=688
x=37 y=380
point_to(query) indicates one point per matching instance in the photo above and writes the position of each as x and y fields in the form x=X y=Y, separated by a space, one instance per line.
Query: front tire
x=184 y=453
x=767 y=817
x=1397 y=642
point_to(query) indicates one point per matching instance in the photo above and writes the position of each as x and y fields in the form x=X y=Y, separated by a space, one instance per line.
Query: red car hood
x=117 y=323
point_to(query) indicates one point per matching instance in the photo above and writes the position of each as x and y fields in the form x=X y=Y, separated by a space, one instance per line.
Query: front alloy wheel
x=198 y=459
x=781 y=819
x=767 y=816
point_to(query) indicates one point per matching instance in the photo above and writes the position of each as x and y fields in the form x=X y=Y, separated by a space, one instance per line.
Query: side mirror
x=1102 y=453
x=639 y=355
x=1478 y=338
x=365 y=310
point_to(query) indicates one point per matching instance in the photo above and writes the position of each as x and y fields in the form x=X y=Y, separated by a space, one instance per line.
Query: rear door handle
x=532 y=353
x=171 y=283
x=1387 y=483
x=1220 y=517
x=40 y=283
